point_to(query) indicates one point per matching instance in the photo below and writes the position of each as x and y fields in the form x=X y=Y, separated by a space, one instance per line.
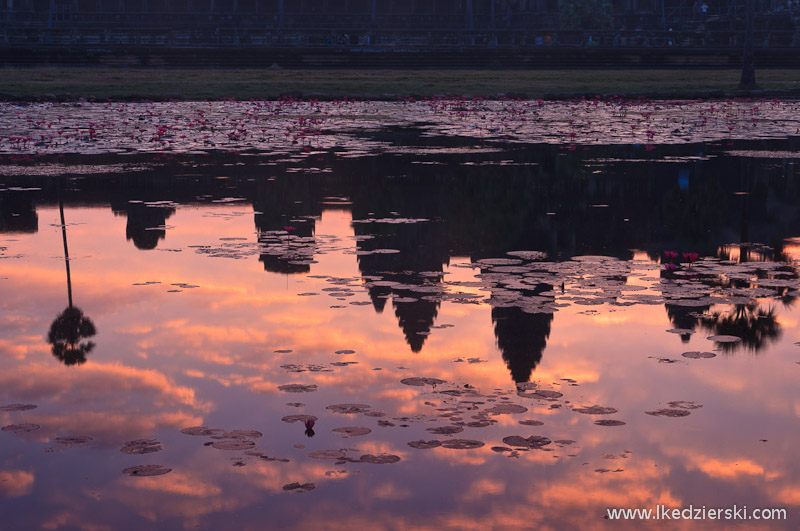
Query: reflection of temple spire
x=70 y=326
x=522 y=337
x=146 y=224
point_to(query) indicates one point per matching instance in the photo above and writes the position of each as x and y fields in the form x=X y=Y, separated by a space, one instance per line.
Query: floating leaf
x=141 y=446
x=297 y=487
x=73 y=440
x=352 y=431
x=382 y=459
x=445 y=430
x=534 y=441
x=425 y=445
x=147 y=470
x=201 y=431
x=20 y=428
x=595 y=410
x=349 y=408
x=462 y=444
x=695 y=355
x=18 y=407
x=609 y=422
x=506 y=409
x=668 y=413
x=418 y=381
x=326 y=454
x=236 y=444
x=297 y=388
x=531 y=422
x=299 y=418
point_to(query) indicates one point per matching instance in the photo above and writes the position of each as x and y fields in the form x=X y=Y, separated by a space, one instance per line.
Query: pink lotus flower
x=672 y=255
x=289 y=229
x=670 y=268
x=691 y=257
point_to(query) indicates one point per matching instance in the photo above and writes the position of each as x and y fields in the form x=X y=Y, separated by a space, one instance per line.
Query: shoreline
x=29 y=85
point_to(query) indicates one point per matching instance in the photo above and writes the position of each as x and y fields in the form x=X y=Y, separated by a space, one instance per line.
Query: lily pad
x=201 y=431
x=419 y=381
x=20 y=428
x=297 y=388
x=299 y=418
x=352 y=431
x=609 y=422
x=684 y=404
x=235 y=444
x=382 y=459
x=534 y=441
x=141 y=446
x=147 y=470
x=71 y=441
x=462 y=444
x=445 y=430
x=531 y=422
x=425 y=445
x=243 y=434
x=506 y=409
x=18 y=407
x=595 y=410
x=297 y=487
x=668 y=413
x=349 y=408
x=724 y=339
x=326 y=454
x=695 y=355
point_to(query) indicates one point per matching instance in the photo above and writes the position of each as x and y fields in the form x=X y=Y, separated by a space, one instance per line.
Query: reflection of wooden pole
x=64 y=237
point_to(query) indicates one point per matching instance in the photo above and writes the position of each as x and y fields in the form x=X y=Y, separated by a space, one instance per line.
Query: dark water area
x=406 y=330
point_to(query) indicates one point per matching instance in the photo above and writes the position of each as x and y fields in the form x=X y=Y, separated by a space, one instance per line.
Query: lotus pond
x=445 y=314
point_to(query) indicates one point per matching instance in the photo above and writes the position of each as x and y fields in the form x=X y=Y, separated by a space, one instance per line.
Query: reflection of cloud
x=727 y=468
x=38 y=380
x=391 y=491
x=483 y=487
x=15 y=483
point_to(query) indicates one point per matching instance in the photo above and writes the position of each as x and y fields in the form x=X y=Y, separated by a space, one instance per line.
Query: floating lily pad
x=326 y=454
x=668 y=413
x=382 y=459
x=352 y=431
x=609 y=422
x=236 y=444
x=425 y=445
x=18 y=407
x=297 y=388
x=506 y=409
x=201 y=431
x=531 y=422
x=20 y=428
x=349 y=408
x=595 y=410
x=462 y=444
x=445 y=430
x=543 y=393
x=534 y=441
x=695 y=355
x=684 y=404
x=71 y=441
x=724 y=339
x=147 y=470
x=243 y=434
x=141 y=446
x=345 y=352
x=297 y=487
x=681 y=331
x=482 y=423
x=299 y=418
x=418 y=381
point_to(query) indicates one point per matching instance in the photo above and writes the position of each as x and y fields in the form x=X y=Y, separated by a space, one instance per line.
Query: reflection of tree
x=71 y=326
x=66 y=334
x=685 y=317
x=18 y=211
x=756 y=326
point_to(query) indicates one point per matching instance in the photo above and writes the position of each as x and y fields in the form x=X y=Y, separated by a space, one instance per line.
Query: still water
x=477 y=312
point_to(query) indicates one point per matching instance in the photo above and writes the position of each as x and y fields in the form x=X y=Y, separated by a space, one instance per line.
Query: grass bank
x=32 y=83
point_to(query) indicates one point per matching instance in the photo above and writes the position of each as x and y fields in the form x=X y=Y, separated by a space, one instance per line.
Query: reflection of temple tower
x=522 y=337
x=285 y=212
x=18 y=211
x=422 y=248
x=146 y=223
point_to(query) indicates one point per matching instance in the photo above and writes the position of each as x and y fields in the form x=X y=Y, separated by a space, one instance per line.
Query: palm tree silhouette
x=71 y=326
